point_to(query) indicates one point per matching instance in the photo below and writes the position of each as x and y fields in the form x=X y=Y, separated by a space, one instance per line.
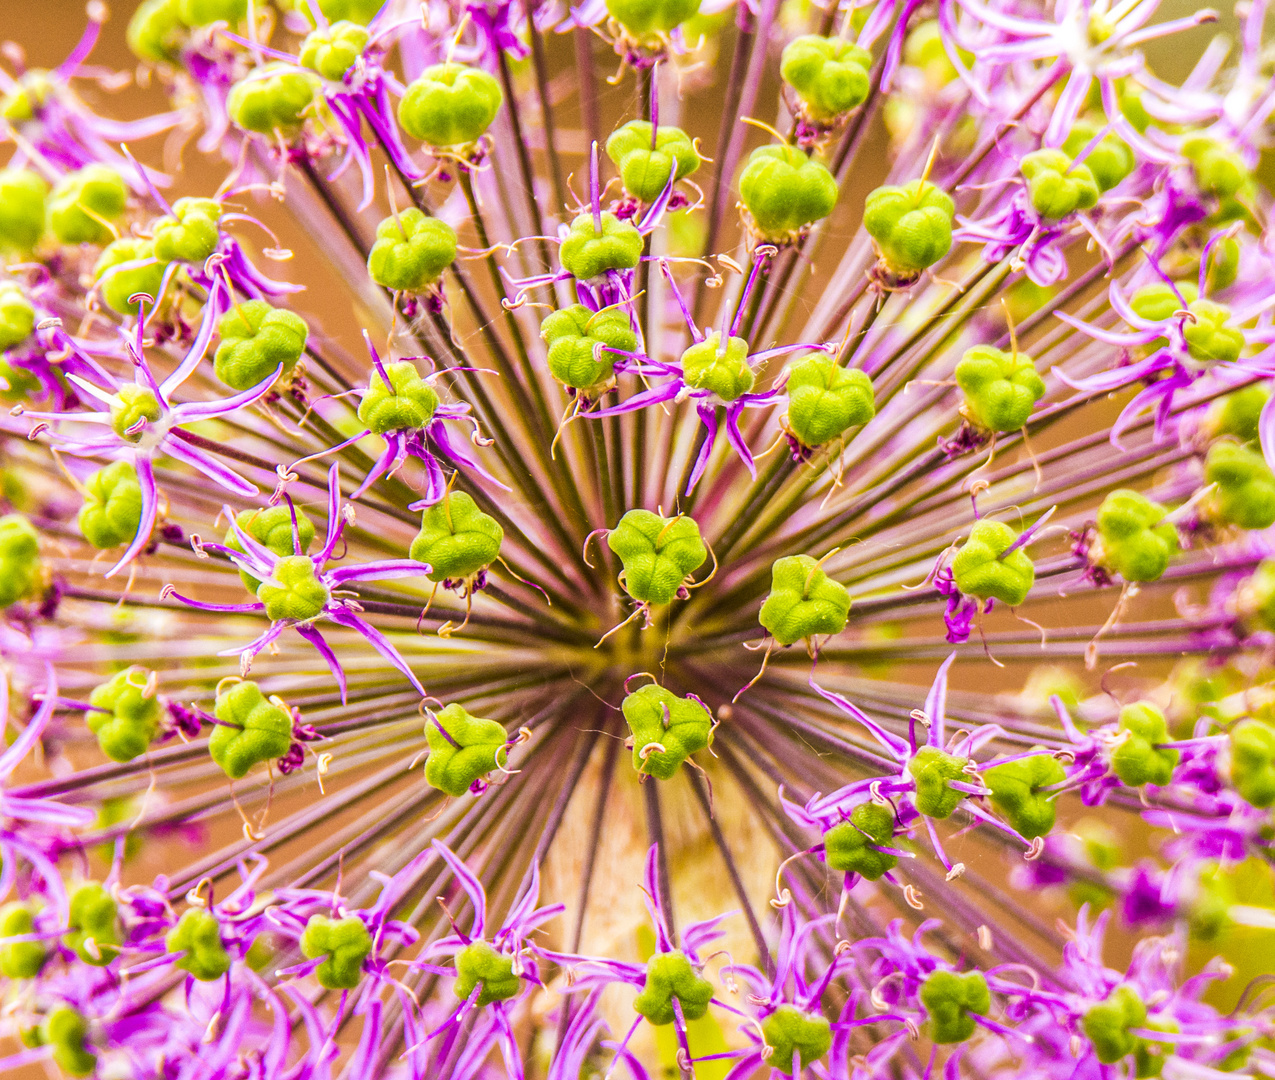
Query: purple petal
x=640 y=400
x=1266 y=431
x=336 y=523
x=384 y=570
x=195 y=354
x=736 y=438
x=207 y=410
x=231 y=609
x=13 y=755
x=329 y=657
x=392 y=456
x=708 y=417
x=936 y=704
x=206 y=464
x=897 y=746
x=472 y=886
x=378 y=641
x=146 y=522
x=1112 y=380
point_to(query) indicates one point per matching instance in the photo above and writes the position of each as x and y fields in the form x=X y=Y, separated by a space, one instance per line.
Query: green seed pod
x=1000 y=388
x=1209 y=914
x=344 y=943
x=1109 y=162
x=190 y=234
x=19 y=959
x=848 y=845
x=1238 y=413
x=657 y=553
x=358 y=11
x=785 y=192
x=1245 y=492
x=260 y=953
x=119 y=810
x=17 y=315
x=651 y=17
x=462 y=749
x=1107 y=1024
x=982 y=569
x=951 y=1001
x=91 y=931
x=156 y=33
x=274 y=98
x=131 y=720
x=1223 y=265
x=1219 y=170
x=1252 y=746
x=456 y=540
x=1133 y=540
x=450 y=105
x=1136 y=760
x=255 y=339
x=724 y=371
x=659 y=718
x=112 y=507
x=334 y=11
x=22 y=195
x=1056 y=186
x=84 y=203
x=932 y=770
x=1099 y=848
x=1209 y=338
x=1198 y=688
x=206 y=12
x=118 y=278
x=411 y=251
x=17 y=384
x=1159 y=301
x=67 y=1031
x=912 y=225
x=830 y=75
x=407 y=404
x=670 y=975
x=299 y=597
x=332 y=52
x=825 y=400
x=478 y=963
x=1017 y=795
x=924 y=49
x=791 y=1032
x=571 y=336
x=28 y=97
x=1024 y=298
x=271 y=527
x=19 y=559
x=644 y=163
x=586 y=253
x=803 y=601
x=1150 y=1054
x=199 y=937
x=1256 y=597
x=136 y=403
x=252 y=729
